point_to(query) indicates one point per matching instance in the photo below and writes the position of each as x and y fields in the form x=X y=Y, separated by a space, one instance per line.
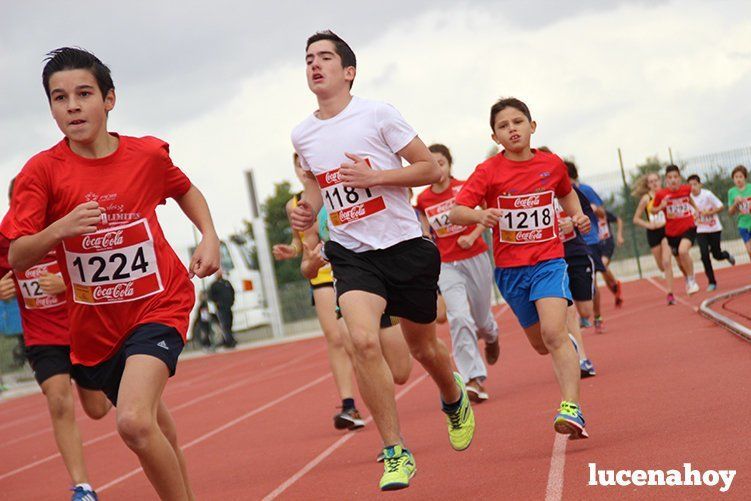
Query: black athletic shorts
x=607 y=247
x=581 y=275
x=157 y=340
x=405 y=275
x=654 y=237
x=596 y=254
x=675 y=242
x=48 y=360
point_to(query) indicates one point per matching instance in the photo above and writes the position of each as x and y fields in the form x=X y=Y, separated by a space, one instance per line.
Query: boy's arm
x=205 y=259
x=421 y=170
x=619 y=230
x=573 y=208
x=28 y=250
x=425 y=224
x=312 y=260
x=466 y=241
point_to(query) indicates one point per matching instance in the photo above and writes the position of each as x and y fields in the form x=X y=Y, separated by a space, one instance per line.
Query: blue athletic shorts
x=745 y=234
x=522 y=286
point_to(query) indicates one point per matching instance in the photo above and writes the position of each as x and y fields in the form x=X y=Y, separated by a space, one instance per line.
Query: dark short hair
x=672 y=168
x=694 y=177
x=342 y=48
x=742 y=169
x=73 y=58
x=573 y=172
x=443 y=150
x=508 y=102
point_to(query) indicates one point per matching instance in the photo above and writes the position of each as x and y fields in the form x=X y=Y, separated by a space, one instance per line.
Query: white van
x=236 y=255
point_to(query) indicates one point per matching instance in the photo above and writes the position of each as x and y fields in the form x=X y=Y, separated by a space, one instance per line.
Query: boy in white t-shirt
x=708 y=228
x=352 y=150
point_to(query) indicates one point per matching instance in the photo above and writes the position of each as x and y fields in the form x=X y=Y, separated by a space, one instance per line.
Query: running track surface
x=672 y=388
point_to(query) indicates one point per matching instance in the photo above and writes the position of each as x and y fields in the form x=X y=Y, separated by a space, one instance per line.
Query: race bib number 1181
x=345 y=204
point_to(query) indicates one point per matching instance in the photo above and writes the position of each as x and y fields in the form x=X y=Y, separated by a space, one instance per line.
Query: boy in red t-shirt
x=466 y=278
x=40 y=292
x=92 y=197
x=680 y=229
x=519 y=186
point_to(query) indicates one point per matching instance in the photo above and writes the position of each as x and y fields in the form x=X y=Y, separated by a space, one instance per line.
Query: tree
x=279 y=232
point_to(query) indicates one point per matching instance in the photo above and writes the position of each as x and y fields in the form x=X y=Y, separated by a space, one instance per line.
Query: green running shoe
x=398 y=468
x=570 y=421
x=461 y=423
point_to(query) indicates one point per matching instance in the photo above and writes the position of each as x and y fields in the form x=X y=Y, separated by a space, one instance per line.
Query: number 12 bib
x=346 y=205
x=527 y=219
x=34 y=298
x=113 y=265
x=438 y=217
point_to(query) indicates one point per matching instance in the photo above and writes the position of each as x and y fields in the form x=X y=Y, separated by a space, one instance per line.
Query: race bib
x=705 y=221
x=678 y=208
x=114 y=265
x=745 y=206
x=346 y=205
x=438 y=217
x=603 y=229
x=561 y=214
x=34 y=298
x=527 y=219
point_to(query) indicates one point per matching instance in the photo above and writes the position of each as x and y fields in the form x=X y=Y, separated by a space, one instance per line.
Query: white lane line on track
x=332 y=448
x=554 y=491
x=225 y=426
x=677 y=298
x=175 y=408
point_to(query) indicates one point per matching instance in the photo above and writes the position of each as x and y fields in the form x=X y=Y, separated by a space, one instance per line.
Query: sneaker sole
x=586 y=374
x=341 y=423
x=573 y=430
x=397 y=486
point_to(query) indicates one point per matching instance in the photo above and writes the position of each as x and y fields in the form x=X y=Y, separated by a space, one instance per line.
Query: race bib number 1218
x=527 y=218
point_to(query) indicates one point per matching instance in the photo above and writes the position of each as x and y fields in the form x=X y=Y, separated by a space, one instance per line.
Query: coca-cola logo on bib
x=108 y=240
x=528 y=236
x=111 y=292
x=36 y=272
x=352 y=214
x=527 y=202
x=332 y=177
x=46 y=301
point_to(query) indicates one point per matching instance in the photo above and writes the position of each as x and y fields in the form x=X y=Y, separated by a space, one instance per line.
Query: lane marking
x=554 y=491
x=332 y=448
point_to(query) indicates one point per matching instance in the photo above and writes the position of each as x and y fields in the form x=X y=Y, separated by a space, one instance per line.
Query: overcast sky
x=224 y=83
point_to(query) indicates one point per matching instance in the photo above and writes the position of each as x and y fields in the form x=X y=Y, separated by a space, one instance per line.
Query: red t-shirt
x=44 y=318
x=679 y=217
x=124 y=274
x=436 y=207
x=525 y=192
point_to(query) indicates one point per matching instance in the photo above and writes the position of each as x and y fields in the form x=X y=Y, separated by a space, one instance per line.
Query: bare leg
x=138 y=402
x=167 y=425
x=657 y=254
x=685 y=259
x=667 y=264
x=61 y=407
x=441 y=317
x=341 y=366
x=95 y=404
x=585 y=308
x=396 y=353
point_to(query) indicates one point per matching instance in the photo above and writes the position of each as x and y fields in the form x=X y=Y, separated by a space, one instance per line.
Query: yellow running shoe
x=461 y=423
x=398 y=468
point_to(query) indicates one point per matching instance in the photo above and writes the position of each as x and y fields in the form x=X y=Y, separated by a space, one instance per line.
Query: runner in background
x=645 y=189
x=708 y=228
x=739 y=202
x=466 y=278
x=680 y=229
x=608 y=241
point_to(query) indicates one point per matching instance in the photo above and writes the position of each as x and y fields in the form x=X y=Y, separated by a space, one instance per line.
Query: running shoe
x=618 y=294
x=599 y=329
x=476 y=391
x=692 y=287
x=348 y=419
x=398 y=468
x=711 y=287
x=570 y=421
x=461 y=423
x=492 y=351
x=584 y=323
x=380 y=457
x=731 y=259
x=671 y=299
x=80 y=493
x=587 y=368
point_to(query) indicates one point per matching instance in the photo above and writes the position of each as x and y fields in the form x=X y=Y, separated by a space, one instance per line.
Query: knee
x=401 y=378
x=98 y=410
x=553 y=338
x=366 y=345
x=60 y=405
x=335 y=339
x=425 y=351
x=135 y=428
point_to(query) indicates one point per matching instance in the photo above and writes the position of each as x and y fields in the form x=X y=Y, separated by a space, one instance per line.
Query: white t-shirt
x=707 y=200
x=360 y=219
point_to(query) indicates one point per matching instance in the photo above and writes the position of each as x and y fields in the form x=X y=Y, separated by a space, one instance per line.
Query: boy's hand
x=7 y=287
x=582 y=223
x=302 y=217
x=619 y=241
x=205 y=260
x=489 y=217
x=52 y=285
x=284 y=251
x=565 y=225
x=357 y=174
x=314 y=257
x=465 y=241
x=81 y=220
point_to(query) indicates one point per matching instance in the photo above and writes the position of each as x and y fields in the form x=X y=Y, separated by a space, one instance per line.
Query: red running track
x=672 y=388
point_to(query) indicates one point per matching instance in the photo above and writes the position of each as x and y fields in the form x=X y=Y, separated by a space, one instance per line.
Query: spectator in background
x=222 y=294
x=202 y=325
